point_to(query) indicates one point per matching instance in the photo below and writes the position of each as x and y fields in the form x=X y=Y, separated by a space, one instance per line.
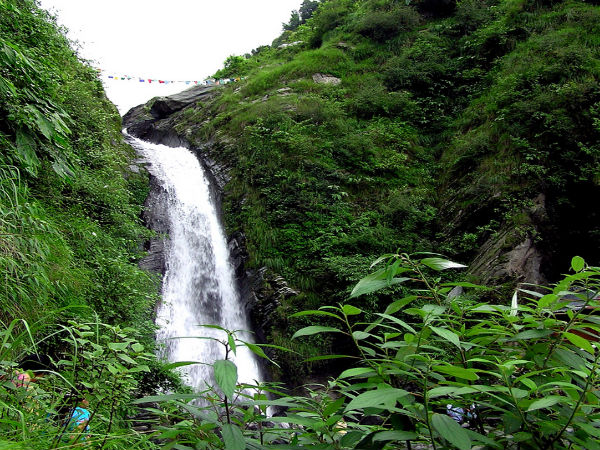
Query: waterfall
x=199 y=287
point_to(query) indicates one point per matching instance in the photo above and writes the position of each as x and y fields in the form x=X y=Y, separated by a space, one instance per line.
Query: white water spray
x=199 y=286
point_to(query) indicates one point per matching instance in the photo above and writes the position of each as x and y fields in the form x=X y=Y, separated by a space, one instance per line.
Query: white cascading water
x=199 y=286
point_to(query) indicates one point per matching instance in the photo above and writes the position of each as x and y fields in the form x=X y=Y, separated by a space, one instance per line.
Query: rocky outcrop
x=510 y=255
x=155 y=218
x=499 y=261
x=326 y=79
x=154 y=121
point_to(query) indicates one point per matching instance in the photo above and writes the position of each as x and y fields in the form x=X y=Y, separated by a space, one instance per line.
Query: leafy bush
x=328 y=16
x=382 y=26
x=92 y=361
x=233 y=66
x=425 y=68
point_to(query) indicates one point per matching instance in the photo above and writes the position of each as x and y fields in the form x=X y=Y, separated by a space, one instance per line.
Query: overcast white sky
x=169 y=40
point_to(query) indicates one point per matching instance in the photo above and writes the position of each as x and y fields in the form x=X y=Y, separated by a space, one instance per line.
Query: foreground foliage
x=520 y=375
x=96 y=361
x=70 y=238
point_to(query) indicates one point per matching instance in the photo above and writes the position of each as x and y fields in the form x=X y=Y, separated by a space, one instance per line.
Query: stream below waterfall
x=199 y=287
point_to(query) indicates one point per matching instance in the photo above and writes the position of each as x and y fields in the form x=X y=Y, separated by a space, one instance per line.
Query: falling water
x=198 y=286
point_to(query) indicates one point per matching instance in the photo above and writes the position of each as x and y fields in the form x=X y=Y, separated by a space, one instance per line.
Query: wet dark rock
x=156 y=218
x=508 y=255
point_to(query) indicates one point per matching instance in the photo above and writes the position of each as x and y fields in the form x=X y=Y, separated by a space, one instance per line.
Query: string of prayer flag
x=206 y=82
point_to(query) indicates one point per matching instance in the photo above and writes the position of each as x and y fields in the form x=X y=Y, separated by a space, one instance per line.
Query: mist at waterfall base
x=199 y=286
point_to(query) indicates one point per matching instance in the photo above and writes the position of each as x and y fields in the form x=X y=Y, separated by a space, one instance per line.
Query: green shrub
x=90 y=360
x=425 y=68
x=382 y=26
x=328 y=16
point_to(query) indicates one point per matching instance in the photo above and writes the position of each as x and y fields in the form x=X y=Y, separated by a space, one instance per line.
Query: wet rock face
x=165 y=106
x=509 y=256
x=156 y=218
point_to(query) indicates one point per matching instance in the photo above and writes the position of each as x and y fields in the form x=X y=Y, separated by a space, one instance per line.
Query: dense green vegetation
x=69 y=207
x=70 y=235
x=467 y=127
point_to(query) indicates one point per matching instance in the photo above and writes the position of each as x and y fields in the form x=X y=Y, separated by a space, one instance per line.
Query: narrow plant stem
x=110 y=421
x=426 y=405
x=358 y=346
x=225 y=399
x=558 y=341
x=519 y=410
x=424 y=279
x=579 y=401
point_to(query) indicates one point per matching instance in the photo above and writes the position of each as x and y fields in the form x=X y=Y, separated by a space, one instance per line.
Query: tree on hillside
x=300 y=16
x=233 y=66
x=307 y=9
x=293 y=23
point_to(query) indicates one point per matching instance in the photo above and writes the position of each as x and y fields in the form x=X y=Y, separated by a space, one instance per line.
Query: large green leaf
x=350 y=310
x=257 y=350
x=399 y=304
x=457 y=372
x=295 y=418
x=383 y=397
x=314 y=329
x=314 y=312
x=356 y=372
x=441 y=264
x=546 y=402
x=226 y=376
x=26 y=151
x=395 y=435
x=580 y=342
x=375 y=282
x=451 y=431
x=577 y=263
x=233 y=437
x=446 y=334
x=531 y=334
x=177 y=364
